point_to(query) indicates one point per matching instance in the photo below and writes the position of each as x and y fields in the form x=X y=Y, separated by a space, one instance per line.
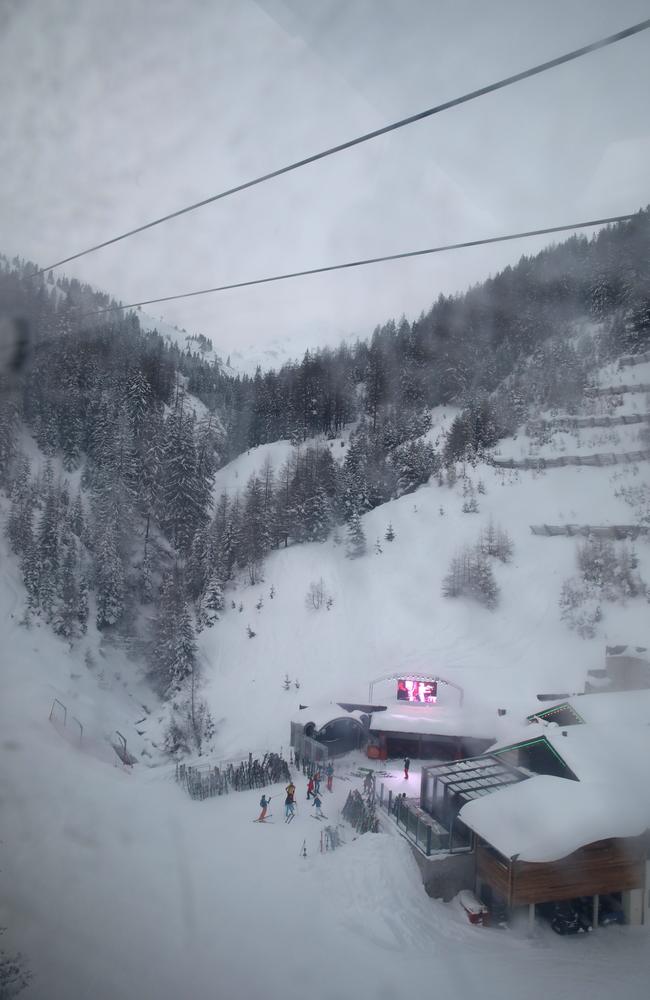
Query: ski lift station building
x=422 y=716
x=558 y=811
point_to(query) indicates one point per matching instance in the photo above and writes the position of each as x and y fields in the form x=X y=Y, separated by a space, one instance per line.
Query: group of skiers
x=313 y=792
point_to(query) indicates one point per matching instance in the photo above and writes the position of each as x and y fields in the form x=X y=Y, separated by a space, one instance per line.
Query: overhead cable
x=602 y=43
x=366 y=261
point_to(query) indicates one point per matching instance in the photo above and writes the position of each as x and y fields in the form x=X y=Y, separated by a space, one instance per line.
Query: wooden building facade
x=608 y=866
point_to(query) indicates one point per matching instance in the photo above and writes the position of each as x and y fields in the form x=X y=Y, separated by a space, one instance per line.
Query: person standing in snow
x=317 y=783
x=296 y=757
x=330 y=776
x=264 y=803
x=310 y=788
x=407 y=764
x=289 y=803
x=317 y=806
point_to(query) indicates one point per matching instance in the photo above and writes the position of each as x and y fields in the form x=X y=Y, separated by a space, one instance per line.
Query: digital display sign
x=417 y=692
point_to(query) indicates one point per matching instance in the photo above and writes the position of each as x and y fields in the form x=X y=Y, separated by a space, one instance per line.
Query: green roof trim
x=548 y=713
x=530 y=743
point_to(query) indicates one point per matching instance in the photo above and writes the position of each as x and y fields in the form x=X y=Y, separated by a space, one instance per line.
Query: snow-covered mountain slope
x=115 y=885
x=388 y=613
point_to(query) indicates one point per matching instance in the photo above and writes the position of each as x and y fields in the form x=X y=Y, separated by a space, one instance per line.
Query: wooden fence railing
x=633 y=359
x=616 y=390
x=203 y=782
x=601 y=458
x=575 y=423
x=615 y=531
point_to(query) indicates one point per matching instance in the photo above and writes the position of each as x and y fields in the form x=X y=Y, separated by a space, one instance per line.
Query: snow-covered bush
x=470 y=506
x=495 y=541
x=580 y=608
x=470 y=575
x=190 y=729
x=638 y=497
x=612 y=570
x=607 y=573
x=317 y=595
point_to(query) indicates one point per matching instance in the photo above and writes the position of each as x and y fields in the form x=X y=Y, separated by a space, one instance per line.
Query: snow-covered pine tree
x=110 y=583
x=47 y=538
x=65 y=614
x=481 y=583
x=356 y=540
x=174 y=648
x=470 y=574
x=495 y=541
x=183 y=492
x=21 y=513
x=256 y=540
x=390 y=534
x=213 y=599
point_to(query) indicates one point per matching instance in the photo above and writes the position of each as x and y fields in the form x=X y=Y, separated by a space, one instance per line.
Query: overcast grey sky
x=114 y=113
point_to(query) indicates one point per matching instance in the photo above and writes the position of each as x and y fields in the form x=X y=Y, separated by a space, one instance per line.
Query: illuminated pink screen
x=419 y=692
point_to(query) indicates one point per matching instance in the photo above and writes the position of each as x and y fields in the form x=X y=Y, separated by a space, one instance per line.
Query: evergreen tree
x=65 y=618
x=21 y=513
x=356 y=541
x=110 y=584
x=255 y=533
x=174 y=648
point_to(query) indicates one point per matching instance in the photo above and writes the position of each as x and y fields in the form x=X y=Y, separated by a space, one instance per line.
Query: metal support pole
x=65 y=711
x=594 y=912
x=125 y=759
x=531 y=919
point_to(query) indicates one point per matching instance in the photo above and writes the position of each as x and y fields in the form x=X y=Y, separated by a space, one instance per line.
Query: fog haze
x=115 y=114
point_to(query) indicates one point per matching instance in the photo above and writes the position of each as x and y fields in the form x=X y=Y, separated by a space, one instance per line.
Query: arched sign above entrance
x=416 y=689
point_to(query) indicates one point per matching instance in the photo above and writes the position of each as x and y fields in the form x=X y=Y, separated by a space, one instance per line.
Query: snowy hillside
x=115 y=884
x=387 y=611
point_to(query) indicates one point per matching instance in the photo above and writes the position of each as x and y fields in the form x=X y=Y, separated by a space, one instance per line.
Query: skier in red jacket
x=310 y=788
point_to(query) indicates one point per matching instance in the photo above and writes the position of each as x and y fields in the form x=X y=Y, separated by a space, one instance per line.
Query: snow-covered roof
x=616 y=707
x=323 y=713
x=547 y=818
x=612 y=719
x=436 y=720
x=611 y=753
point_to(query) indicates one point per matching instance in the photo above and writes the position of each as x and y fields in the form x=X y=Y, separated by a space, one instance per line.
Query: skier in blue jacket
x=264 y=803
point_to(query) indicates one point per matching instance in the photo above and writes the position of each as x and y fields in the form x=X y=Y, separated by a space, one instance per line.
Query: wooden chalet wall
x=605 y=866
